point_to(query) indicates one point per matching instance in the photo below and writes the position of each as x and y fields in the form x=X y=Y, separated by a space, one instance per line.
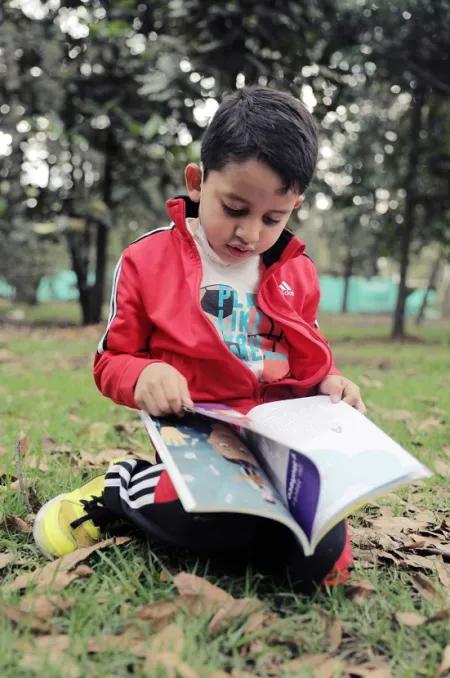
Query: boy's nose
x=249 y=231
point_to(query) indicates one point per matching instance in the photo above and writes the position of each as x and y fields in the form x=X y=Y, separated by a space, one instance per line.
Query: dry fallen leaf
x=444 y=666
x=96 y=433
x=411 y=561
x=368 y=670
x=313 y=662
x=195 y=605
x=165 y=649
x=370 y=383
x=129 y=641
x=83 y=571
x=170 y=662
x=358 y=591
x=444 y=574
x=15 y=524
x=170 y=638
x=50 y=446
x=233 y=610
x=103 y=458
x=191 y=584
x=442 y=615
x=159 y=614
x=24 y=443
x=5 y=559
x=77 y=419
x=22 y=618
x=166 y=575
x=442 y=468
x=43 y=606
x=44 y=580
x=397 y=415
x=59 y=642
x=7 y=356
x=413 y=619
x=260 y=619
x=335 y=633
x=410 y=618
x=128 y=427
x=425 y=587
x=39 y=663
x=429 y=424
x=329 y=669
x=397 y=524
x=163 y=612
x=57 y=574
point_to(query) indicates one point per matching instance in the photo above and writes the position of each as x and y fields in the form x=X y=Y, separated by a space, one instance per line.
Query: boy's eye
x=241 y=213
x=231 y=212
x=270 y=222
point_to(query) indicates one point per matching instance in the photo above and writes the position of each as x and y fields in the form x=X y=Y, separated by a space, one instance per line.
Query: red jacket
x=155 y=315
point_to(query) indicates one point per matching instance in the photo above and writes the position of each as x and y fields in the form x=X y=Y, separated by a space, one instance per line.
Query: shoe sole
x=37 y=529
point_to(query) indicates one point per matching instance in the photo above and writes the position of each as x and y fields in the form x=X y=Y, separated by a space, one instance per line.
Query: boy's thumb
x=335 y=393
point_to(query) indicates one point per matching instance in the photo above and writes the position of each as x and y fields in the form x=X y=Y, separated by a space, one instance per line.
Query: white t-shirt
x=228 y=297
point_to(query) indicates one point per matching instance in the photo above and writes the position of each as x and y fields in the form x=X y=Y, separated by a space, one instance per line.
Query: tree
x=408 y=47
x=83 y=74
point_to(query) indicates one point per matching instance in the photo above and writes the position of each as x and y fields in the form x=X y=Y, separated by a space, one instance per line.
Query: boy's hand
x=162 y=390
x=340 y=388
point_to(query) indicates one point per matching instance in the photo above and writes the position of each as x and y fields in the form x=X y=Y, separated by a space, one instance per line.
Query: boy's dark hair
x=272 y=127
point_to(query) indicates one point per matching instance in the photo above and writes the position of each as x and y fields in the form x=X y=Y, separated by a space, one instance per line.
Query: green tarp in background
x=374 y=295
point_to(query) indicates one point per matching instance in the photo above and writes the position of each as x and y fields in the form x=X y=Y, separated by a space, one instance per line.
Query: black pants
x=235 y=538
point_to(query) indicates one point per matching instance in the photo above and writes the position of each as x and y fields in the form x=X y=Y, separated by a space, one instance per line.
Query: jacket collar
x=286 y=247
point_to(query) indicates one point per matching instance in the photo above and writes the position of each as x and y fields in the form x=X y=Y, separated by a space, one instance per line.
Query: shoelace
x=95 y=510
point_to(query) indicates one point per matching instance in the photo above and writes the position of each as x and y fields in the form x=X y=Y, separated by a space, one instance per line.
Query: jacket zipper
x=242 y=364
x=273 y=313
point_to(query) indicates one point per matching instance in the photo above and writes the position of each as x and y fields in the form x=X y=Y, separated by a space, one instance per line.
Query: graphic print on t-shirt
x=250 y=334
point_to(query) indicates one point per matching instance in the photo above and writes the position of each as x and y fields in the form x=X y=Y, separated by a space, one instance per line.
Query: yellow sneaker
x=65 y=523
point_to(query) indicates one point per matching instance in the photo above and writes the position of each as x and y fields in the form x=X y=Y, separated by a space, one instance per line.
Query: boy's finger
x=160 y=400
x=335 y=390
x=184 y=390
x=172 y=395
x=150 y=406
x=354 y=399
x=361 y=407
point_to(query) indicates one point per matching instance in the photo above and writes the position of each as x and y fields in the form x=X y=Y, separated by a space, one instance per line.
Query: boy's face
x=243 y=208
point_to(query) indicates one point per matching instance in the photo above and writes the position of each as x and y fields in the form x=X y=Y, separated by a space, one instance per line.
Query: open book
x=306 y=463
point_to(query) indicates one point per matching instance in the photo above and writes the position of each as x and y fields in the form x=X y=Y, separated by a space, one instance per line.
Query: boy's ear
x=299 y=201
x=193 y=176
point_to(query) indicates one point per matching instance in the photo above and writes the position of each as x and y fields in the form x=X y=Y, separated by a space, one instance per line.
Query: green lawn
x=46 y=391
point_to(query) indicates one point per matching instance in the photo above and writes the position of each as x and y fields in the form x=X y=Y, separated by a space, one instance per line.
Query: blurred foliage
x=103 y=102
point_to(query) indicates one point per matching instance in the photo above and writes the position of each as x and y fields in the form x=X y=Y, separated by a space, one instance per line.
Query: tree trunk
x=446 y=295
x=431 y=285
x=398 y=327
x=80 y=269
x=27 y=293
x=97 y=290
x=348 y=271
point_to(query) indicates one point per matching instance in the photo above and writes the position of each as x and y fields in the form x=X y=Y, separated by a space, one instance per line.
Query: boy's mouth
x=239 y=252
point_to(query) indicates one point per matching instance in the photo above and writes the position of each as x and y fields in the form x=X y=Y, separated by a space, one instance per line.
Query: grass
x=46 y=389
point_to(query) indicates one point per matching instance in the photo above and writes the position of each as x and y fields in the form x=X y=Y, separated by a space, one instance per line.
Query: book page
x=213 y=469
x=294 y=476
x=355 y=459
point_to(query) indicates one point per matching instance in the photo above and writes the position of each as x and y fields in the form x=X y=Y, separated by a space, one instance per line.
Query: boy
x=219 y=306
